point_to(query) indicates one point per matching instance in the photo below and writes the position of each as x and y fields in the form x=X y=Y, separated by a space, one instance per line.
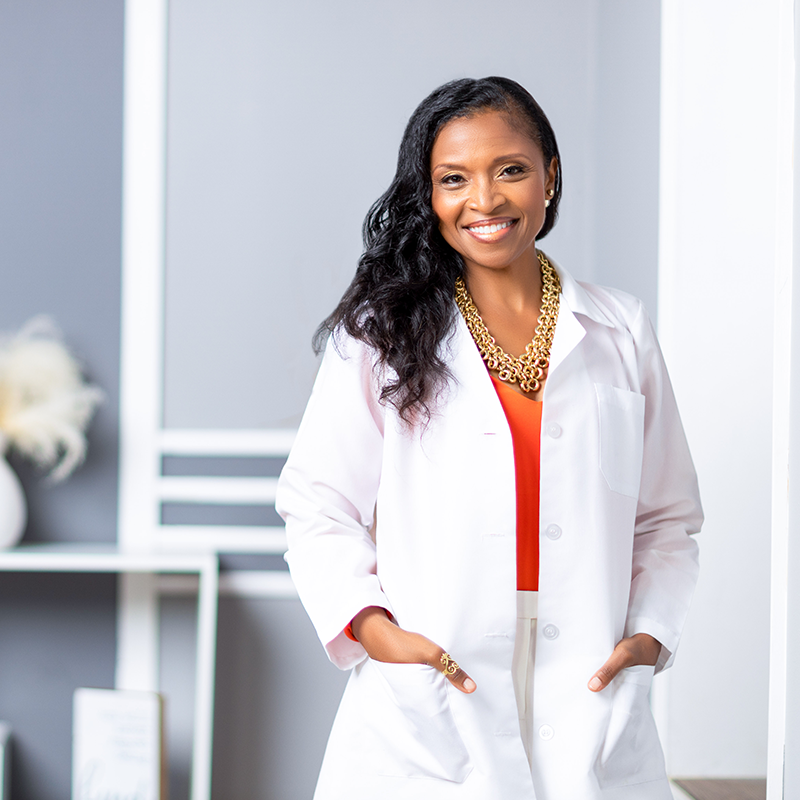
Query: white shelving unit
x=80 y=558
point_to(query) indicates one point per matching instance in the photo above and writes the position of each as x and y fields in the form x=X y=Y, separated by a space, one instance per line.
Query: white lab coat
x=618 y=501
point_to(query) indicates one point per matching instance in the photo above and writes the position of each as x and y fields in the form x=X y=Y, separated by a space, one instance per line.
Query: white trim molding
x=221 y=538
x=260 y=442
x=143 y=204
x=785 y=415
x=242 y=583
x=143 y=223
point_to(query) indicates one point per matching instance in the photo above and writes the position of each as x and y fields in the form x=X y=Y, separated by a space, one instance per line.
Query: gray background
x=284 y=124
x=273 y=162
x=60 y=223
x=60 y=184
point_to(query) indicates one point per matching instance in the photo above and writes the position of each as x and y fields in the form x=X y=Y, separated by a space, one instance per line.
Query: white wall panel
x=718 y=207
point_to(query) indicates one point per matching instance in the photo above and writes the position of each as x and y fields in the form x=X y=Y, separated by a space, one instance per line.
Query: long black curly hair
x=401 y=300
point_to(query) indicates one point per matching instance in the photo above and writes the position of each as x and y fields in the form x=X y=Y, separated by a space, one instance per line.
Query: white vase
x=13 y=509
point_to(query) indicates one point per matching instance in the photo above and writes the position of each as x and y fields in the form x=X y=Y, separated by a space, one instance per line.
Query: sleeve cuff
x=667 y=639
x=348 y=632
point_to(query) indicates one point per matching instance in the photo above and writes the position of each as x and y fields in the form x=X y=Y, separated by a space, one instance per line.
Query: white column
x=144 y=121
x=720 y=190
x=207 y=607
x=783 y=776
x=137 y=632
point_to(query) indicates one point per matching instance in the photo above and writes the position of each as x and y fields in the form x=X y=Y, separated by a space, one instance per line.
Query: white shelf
x=100 y=558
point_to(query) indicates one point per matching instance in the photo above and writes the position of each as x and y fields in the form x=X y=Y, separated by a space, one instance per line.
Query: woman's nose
x=485 y=195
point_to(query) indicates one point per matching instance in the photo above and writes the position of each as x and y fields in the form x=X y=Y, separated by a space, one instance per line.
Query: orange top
x=525 y=420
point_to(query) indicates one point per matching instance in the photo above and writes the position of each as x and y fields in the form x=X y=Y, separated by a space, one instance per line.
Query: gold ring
x=449 y=666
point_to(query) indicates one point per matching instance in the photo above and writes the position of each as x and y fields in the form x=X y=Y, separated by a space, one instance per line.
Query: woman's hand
x=385 y=641
x=641 y=648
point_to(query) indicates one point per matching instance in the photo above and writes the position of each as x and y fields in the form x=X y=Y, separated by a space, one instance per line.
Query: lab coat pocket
x=621 y=414
x=631 y=752
x=415 y=733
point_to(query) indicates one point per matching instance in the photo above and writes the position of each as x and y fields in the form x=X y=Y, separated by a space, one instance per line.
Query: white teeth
x=490 y=228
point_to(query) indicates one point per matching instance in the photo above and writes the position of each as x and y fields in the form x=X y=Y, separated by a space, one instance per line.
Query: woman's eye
x=513 y=169
x=452 y=180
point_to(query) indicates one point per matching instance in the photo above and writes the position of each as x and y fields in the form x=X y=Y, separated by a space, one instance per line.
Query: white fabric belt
x=527 y=605
x=524 y=657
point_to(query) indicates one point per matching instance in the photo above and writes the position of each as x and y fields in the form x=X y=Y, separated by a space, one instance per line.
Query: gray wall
x=60 y=210
x=276 y=698
x=60 y=203
x=625 y=156
x=284 y=122
x=57 y=632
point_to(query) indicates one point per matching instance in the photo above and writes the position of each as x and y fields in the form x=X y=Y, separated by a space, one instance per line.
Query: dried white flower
x=45 y=405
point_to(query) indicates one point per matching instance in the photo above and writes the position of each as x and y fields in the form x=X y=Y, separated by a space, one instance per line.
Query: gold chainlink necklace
x=530 y=368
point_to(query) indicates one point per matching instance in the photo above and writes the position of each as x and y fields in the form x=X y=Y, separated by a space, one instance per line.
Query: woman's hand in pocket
x=386 y=641
x=639 y=649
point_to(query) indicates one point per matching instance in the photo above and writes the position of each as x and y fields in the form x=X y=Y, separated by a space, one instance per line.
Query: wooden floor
x=724 y=789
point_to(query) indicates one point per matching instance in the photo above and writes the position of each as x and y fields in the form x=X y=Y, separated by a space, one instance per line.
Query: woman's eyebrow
x=510 y=156
x=506 y=157
x=448 y=166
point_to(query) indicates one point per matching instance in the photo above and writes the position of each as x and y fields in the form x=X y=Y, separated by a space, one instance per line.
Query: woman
x=448 y=503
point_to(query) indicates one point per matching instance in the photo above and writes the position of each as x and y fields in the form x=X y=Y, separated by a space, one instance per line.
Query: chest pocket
x=621 y=414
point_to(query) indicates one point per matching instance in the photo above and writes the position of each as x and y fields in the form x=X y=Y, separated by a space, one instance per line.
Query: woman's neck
x=508 y=300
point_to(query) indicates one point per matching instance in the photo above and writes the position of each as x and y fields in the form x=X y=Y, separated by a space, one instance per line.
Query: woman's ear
x=550 y=183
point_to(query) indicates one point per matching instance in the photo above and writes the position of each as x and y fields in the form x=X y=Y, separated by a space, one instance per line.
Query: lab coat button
x=553 y=430
x=553 y=532
x=550 y=632
x=546 y=732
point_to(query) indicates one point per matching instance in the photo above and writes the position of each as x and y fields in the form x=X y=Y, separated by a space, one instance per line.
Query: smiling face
x=490 y=184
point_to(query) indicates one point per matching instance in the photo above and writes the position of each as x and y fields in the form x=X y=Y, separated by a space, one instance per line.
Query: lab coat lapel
x=575 y=304
x=569 y=333
x=470 y=371
x=473 y=379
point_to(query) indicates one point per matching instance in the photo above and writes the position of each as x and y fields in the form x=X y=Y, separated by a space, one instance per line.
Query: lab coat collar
x=570 y=330
x=577 y=298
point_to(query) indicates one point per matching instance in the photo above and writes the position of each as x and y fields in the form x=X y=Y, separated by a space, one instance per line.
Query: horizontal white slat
x=244 y=583
x=97 y=558
x=222 y=491
x=221 y=538
x=177 y=442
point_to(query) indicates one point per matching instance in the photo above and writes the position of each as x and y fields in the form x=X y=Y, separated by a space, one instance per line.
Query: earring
x=547 y=204
x=551 y=192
